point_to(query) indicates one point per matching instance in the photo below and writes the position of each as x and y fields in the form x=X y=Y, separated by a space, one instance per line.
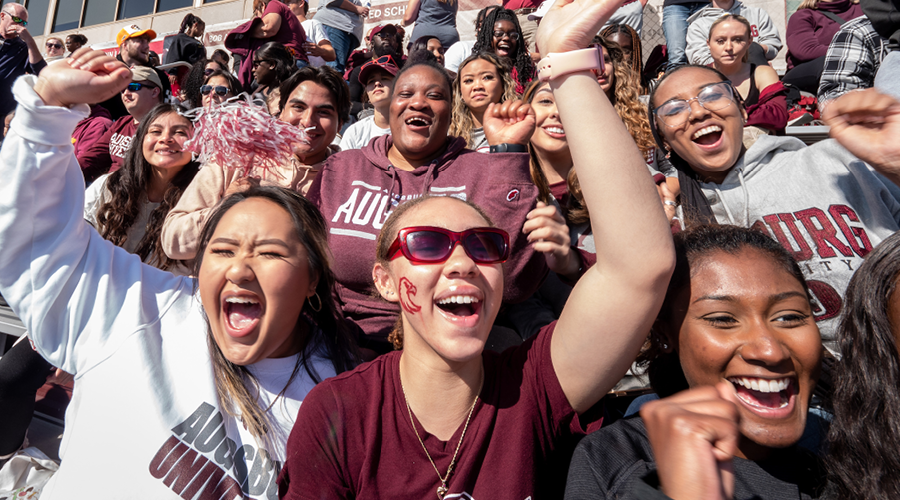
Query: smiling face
x=379 y=87
x=213 y=96
x=480 y=85
x=549 y=137
x=163 y=146
x=420 y=113
x=449 y=307
x=504 y=45
x=136 y=50
x=709 y=141
x=54 y=47
x=729 y=42
x=139 y=103
x=312 y=107
x=748 y=321
x=254 y=279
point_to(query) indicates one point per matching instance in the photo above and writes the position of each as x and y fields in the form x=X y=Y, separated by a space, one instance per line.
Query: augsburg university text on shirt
x=195 y=462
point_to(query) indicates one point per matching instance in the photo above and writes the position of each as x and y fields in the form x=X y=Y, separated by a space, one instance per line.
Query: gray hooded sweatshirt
x=762 y=29
x=820 y=202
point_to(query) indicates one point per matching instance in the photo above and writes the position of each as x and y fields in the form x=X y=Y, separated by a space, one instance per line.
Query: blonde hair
x=462 y=124
x=733 y=17
x=814 y=4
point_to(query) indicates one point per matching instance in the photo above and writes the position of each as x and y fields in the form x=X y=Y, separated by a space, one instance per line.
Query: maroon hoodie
x=352 y=191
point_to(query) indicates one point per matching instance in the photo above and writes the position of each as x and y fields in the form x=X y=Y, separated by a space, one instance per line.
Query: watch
x=509 y=148
x=563 y=63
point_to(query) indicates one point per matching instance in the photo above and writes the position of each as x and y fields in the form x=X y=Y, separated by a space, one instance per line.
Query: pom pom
x=240 y=134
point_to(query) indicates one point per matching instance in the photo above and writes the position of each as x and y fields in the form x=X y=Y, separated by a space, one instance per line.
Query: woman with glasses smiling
x=218 y=87
x=55 y=49
x=820 y=202
x=443 y=416
x=501 y=34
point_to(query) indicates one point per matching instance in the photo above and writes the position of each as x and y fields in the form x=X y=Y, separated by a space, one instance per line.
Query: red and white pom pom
x=240 y=134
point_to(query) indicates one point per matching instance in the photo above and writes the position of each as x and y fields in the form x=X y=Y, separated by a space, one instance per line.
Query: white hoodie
x=762 y=29
x=144 y=421
x=820 y=202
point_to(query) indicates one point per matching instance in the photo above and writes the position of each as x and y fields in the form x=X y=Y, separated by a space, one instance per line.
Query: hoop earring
x=315 y=309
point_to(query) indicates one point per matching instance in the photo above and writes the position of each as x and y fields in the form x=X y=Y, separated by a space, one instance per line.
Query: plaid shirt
x=852 y=60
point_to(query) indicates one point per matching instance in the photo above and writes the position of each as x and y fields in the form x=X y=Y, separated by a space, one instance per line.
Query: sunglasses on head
x=433 y=245
x=54 y=45
x=135 y=86
x=220 y=90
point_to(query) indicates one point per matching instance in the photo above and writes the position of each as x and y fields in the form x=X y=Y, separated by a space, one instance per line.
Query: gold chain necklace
x=442 y=489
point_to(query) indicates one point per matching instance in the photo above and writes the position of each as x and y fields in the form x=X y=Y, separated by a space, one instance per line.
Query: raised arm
x=412 y=12
x=611 y=309
x=74 y=291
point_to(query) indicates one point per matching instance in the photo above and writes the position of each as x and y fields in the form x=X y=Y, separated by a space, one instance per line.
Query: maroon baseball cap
x=386 y=28
x=384 y=63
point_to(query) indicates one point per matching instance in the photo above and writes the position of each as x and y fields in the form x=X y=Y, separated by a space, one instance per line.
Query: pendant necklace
x=442 y=489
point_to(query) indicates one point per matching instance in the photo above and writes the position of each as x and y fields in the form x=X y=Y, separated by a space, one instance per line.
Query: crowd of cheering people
x=475 y=259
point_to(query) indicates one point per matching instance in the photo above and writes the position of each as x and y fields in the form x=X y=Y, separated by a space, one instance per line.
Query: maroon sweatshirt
x=809 y=31
x=107 y=154
x=353 y=190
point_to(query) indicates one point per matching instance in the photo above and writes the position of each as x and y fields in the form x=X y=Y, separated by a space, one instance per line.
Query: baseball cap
x=145 y=74
x=385 y=63
x=133 y=31
x=386 y=28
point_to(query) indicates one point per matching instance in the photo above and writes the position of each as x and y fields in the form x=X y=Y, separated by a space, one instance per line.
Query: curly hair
x=864 y=437
x=484 y=42
x=462 y=124
x=128 y=188
x=636 y=55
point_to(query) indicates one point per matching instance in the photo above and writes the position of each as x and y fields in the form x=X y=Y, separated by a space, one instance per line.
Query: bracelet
x=509 y=148
x=563 y=63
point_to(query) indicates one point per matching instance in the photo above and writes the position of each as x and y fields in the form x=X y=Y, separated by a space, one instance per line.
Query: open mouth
x=708 y=136
x=418 y=122
x=766 y=397
x=242 y=315
x=461 y=309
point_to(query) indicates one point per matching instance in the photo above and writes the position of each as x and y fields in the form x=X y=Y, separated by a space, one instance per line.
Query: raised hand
x=510 y=122
x=88 y=76
x=694 y=435
x=867 y=123
x=572 y=24
x=547 y=231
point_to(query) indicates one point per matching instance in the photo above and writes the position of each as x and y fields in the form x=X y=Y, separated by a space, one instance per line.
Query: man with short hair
x=134 y=50
x=19 y=54
x=108 y=154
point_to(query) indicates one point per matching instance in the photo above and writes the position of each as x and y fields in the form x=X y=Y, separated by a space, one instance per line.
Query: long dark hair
x=636 y=56
x=331 y=335
x=188 y=21
x=195 y=79
x=279 y=55
x=691 y=245
x=128 y=188
x=521 y=58
x=695 y=204
x=864 y=439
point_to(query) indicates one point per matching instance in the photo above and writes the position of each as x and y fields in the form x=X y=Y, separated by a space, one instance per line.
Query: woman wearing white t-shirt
x=378 y=77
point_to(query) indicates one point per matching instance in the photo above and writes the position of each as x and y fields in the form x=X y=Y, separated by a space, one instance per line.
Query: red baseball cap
x=384 y=63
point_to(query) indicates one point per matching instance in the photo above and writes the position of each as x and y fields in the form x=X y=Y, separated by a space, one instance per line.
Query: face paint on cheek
x=407 y=294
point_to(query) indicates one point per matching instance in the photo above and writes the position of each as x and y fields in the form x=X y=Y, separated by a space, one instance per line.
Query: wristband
x=509 y=148
x=563 y=63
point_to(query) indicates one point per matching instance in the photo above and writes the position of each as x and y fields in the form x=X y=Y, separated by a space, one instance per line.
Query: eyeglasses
x=220 y=90
x=17 y=20
x=135 y=86
x=712 y=97
x=513 y=35
x=53 y=45
x=433 y=245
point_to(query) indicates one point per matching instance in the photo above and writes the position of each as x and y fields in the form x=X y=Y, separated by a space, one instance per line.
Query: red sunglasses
x=432 y=245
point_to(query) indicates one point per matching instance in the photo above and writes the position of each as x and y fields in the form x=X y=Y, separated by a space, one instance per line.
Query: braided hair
x=484 y=42
x=636 y=56
x=188 y=21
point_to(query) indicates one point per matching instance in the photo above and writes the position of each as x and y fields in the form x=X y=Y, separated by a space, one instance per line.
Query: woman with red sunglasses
x=442 y=415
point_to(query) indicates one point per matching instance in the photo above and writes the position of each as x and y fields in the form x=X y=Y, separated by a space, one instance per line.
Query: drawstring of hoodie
x=390 y=203
x=731 y=220
x=429 y=177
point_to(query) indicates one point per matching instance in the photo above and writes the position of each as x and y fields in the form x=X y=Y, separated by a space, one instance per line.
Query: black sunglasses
x=54 y=45
x=220 y=90
x=513 y=35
